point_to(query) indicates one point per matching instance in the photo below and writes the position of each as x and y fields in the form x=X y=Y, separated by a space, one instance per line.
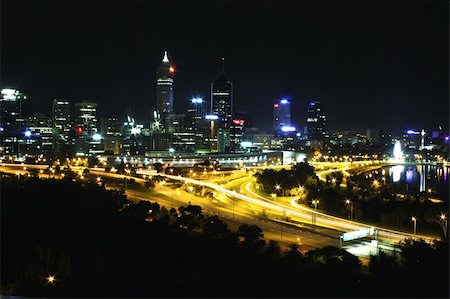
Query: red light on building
x=276 y=105
x=172 y=69
x=239 y=122
x=79 y=131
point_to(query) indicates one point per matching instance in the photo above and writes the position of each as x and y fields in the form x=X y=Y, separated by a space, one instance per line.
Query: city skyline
x=397 y=73
x=272 y=148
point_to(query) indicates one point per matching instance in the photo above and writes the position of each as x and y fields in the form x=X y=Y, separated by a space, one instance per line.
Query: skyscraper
x=15 y=108
x=41 y=129
x=164 y=91
x=110 y=129
x=88 y=140
x=281 y=116
x=195 y=121
x=236 y=134
x=222 y=106
x=62 y=126
x=316 y=122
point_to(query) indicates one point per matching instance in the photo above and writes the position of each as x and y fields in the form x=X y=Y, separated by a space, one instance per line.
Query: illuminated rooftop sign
x=357 y=234
x=287 y=129
x=239 y=122
x=412 y=132
x=197 y=100
x=211 y=117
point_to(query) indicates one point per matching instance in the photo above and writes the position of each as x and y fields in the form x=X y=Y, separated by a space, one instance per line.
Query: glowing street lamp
x=375 y=183
x=443 y=222
x=315 y=202
x=414 y=219
x=274 y=196
x=51 y=279
x=349 y=202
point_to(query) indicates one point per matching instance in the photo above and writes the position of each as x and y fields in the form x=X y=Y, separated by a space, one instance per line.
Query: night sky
x=371 y=64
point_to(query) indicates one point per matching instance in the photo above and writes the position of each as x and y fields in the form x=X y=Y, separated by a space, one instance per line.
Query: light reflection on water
x=420 y=178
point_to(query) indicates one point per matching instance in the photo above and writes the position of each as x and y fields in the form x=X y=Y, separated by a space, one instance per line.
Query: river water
x=416 y=178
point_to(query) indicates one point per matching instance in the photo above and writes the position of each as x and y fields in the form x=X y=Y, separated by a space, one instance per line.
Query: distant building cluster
x=207 y=126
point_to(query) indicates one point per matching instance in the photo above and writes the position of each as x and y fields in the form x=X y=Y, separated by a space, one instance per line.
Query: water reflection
x=396 y=172
x=419 y=178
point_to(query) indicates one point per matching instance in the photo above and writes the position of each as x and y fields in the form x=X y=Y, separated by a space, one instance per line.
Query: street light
x=274 y=196
x=375 y=183
x=315 y=203
x=414 y=219
x=443 y=222
x=349 y=202
x=51 y=279
x=278 y=187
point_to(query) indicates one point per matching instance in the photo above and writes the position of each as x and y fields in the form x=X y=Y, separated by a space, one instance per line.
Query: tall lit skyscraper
x=222 y=98
x=62 y=126
x=316 y=122
x=195 y=121
x=15 y=108
x=88 y=140
x=164 y=91
x=281 y=116
x=86 y=118
x=222 y=106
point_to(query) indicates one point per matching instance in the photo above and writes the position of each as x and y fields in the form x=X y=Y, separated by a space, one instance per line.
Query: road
x=249 y=207
x=232 y=212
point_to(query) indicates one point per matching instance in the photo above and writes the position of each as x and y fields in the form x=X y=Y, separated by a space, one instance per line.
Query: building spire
x=223 y=64
x=165 y=59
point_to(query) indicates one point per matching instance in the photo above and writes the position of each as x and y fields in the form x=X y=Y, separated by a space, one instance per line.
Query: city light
x=51 y=279
x=284 y=101
x=239 y=122
x=197 y=100
x=27 y=133
x=287 y=129
x=246 y=144
x=211 y=117
x=96 y=137
x=172 y=69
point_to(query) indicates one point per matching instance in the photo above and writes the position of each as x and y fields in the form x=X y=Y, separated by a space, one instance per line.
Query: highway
x=245 y=206
x=304 y=214
x=232 y=212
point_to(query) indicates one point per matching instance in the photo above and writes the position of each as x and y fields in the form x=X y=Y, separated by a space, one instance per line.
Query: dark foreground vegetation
x=98 y=244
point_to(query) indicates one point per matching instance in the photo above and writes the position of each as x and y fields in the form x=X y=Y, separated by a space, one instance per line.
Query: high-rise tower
x=62 y=126
x=281 y=116
x=316 y=122
x=222 y=106
x=15 y=108
x=222 y=98
x=164 y=91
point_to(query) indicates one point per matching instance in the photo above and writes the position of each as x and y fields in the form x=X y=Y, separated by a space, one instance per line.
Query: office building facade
x=164 y=92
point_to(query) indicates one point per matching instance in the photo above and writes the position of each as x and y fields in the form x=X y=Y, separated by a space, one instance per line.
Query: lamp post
x=443 y=222
x=315 y=203
x=414 y=219
x=349 y=202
